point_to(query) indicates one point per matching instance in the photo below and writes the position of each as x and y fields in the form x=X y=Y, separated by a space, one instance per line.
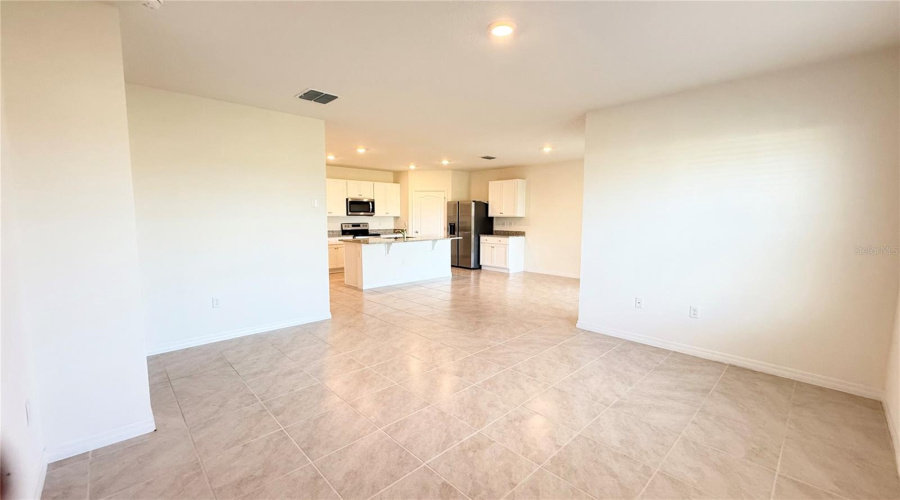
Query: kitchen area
x=385 y=233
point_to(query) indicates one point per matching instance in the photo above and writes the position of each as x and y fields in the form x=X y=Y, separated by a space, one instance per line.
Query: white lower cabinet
x=506 y=254
x=335 y=257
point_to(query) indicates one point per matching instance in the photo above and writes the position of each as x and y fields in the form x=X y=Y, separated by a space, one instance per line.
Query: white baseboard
x=752 y=364
x=42 y=475
x=100 y=440
x=233 y=334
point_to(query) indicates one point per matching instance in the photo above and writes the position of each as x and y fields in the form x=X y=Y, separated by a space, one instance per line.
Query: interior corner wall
x=552 y=224
x=71 y=288
x=230 y=204
x=770 y=203
x=892 y=378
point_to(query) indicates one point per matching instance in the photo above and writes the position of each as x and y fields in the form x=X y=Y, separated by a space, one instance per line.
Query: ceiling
x=423 y=81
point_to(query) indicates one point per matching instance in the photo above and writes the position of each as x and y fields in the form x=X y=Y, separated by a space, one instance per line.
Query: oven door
x=360 y=206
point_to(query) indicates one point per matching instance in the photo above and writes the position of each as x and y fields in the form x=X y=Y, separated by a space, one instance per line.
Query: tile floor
x=478 y=387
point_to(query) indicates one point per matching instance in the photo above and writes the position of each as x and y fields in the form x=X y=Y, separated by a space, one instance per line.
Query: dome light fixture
x=501 y=28
x=547 y=149
x=360 y=150
x=445 y=162
x=412 y=166
x=330 y=157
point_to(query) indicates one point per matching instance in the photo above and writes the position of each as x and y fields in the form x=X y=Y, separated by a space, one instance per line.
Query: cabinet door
x=360 y=189
x=393 y=200
x=486 y=250
x=510 y=198
x=339 y=256
x=379 y=193
x=336 y=197
x=495 y=198
x=499 y=256
x=331 y=256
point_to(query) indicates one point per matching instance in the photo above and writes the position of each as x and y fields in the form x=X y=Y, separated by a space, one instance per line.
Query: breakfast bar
x=376 y=262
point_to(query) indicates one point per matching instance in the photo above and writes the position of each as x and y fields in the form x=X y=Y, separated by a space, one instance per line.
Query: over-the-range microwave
x=360 y=206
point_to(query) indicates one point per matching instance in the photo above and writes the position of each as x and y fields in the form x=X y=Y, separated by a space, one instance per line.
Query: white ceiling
x=423 y=81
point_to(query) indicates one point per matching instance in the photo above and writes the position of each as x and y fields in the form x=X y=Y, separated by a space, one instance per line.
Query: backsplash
x=334 y=234
x=500 y=232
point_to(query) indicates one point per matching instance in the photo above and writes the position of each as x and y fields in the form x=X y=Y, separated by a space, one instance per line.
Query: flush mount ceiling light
x=330 y=157
x=445 y=162
x=547 y=149
x=360 y=150
x=501 y=28
x=412 y=166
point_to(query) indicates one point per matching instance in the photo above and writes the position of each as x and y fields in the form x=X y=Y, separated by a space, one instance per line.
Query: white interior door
x=429 y=214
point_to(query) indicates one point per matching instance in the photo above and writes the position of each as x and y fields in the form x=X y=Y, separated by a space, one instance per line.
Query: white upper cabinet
x=360 y=189
x=336 y=197
x=506 y=198
x=387 y=199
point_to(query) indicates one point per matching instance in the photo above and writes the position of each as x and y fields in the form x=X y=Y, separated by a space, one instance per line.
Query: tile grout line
x=681 y=434
x=787 y=422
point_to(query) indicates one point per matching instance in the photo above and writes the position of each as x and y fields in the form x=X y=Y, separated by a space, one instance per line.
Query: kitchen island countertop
x=386 y=241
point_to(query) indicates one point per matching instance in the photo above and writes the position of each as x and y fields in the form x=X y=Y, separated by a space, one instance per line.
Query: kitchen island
x=375 y=262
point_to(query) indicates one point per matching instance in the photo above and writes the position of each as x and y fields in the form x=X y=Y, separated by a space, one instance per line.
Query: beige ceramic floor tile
x=661 y=412
x=422 y=484
x=216 y=435
x=543 y=485
x=599 y=470
x=272 y=386
x=242 y=469
x=631 y=436
x=564 y=408
x=513 y=387
x=303 y=404
x=717 y=472
x=665 y=487
x=435 y=385
x=329 y=431
x=332 y=366
x=67 y=482
x=188 y=483
x=357 y=384
x=191 y=361
x=211 y=393
x=367 y=466
x=791 y=489
x=68 y=461
x=389 y=405
x=429 y=432
x=540 y=368
x=401 y=368
x=503 y=355
x=474 y=406
x=472 y=369
x=303 y=484
x=529 y=434
x=374 y=354
x=482 y=468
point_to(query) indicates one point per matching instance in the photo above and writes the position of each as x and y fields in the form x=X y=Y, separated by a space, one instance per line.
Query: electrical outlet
x=694 y=312
x=215 y=303
x=638 y=303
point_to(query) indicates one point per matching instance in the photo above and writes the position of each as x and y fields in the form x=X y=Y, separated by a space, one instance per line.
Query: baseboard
x=752 y=364
x=561 y=275
x=233 y=334
x=100 y=440
x=895 y=437
x=42 y=474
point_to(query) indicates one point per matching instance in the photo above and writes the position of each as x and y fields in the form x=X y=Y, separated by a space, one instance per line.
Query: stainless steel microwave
x=360 y=206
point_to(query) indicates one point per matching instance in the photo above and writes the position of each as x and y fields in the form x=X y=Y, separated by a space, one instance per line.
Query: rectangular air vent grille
x=316 y=96
x=488 y=157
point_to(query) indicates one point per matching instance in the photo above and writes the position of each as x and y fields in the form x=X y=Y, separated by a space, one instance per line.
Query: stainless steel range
x=356 y=230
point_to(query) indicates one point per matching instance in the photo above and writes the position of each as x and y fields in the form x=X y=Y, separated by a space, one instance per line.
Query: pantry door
x=429 y=214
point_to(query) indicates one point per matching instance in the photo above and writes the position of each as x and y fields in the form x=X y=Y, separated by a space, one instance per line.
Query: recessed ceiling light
x=547 y=149
x=445 y=162
x=412 y=167
x=330 y=157
x=360 y=150
x=501 y=28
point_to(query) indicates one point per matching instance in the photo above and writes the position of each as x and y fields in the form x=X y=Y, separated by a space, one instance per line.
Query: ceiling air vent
x=316 y=96
x=487 y=157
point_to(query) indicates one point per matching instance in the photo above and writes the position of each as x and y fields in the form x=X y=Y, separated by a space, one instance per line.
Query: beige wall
x=71 y=246
x=892 y=389
x=752 y=200
x=358 y=174
x=230 y=204
x=553 y=197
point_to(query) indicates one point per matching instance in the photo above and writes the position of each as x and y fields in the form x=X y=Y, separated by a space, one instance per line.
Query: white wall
x=360 y=174
x=224 y=198
x=892 y=388
x=71 y=289
x=552 y=225
x=750 y=199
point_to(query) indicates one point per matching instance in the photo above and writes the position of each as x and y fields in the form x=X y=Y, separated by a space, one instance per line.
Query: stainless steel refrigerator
x=468 y=220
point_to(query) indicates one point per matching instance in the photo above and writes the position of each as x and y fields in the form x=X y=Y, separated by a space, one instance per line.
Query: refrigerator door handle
x=451 y=230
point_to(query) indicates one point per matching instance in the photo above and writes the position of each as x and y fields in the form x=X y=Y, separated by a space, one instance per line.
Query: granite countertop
x=502 y=235
x=387 y=241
